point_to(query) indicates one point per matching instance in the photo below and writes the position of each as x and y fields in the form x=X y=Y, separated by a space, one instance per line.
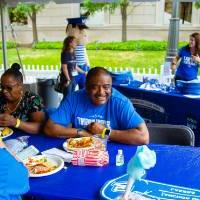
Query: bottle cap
x=120 y=151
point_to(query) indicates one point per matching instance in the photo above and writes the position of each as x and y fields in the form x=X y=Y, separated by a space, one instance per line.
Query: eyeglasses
x=8 y=88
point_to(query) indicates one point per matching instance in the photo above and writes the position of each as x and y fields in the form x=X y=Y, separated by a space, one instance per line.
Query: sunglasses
x=8 y=88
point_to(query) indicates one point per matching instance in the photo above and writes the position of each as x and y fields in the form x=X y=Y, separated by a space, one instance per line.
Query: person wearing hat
x=76 y=27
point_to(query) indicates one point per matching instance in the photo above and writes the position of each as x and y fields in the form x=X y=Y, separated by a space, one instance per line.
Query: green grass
x=106 y=58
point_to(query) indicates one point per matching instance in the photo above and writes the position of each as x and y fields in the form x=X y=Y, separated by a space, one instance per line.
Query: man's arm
x=56 y=130
x=138 y=135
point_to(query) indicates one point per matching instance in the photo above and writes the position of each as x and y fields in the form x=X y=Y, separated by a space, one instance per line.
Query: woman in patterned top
x=18 y=108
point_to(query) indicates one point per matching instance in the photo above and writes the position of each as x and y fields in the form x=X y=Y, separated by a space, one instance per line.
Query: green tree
x=91 y=7
x=197 y=4
x=29 y=10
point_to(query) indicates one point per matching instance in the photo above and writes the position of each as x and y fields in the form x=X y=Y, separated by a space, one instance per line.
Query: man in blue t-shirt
x=98 y=109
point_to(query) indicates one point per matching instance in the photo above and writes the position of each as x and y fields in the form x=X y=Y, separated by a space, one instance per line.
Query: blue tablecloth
x=175 y=165
x=159 y=107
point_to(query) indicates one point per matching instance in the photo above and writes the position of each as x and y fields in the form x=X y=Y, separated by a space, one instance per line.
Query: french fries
x=80 y=142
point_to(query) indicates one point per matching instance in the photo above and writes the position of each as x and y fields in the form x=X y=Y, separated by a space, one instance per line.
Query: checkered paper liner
x=93 y=157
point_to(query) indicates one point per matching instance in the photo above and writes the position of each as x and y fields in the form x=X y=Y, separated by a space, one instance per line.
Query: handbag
x=59 y=86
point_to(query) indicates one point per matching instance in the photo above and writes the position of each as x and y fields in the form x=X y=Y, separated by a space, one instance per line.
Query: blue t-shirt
x=78 y=109
x=13 y=177
x=188 y=69
x=69 y=59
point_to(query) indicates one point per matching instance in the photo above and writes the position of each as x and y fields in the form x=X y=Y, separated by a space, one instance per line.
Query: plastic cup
x=103 y=141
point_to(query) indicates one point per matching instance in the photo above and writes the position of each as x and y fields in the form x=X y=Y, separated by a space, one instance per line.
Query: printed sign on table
x=149 y=189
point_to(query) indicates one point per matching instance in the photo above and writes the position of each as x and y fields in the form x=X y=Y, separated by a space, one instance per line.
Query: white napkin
x=67 y=157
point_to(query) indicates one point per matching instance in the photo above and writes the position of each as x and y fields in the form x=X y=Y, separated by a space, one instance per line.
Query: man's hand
x=95 y=128
x=7 y=120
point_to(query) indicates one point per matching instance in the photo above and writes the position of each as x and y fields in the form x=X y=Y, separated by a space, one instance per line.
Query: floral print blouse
x=30 y=103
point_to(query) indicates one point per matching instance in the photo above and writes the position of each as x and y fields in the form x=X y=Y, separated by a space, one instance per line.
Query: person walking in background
x=188 y=59
x=14 y=176
x=69 y=68
x=19 y=108
x=76 y=27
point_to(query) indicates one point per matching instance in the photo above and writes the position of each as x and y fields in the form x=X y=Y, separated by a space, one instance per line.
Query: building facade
x=148 y=21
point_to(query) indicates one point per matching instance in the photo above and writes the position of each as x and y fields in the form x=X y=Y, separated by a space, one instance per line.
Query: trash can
x=31 y=87
x=47 y=93
x=124 y=77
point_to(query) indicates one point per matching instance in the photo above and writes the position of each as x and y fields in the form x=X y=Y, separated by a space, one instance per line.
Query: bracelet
x=18 y=123
x=103 y=132
x=106 y=131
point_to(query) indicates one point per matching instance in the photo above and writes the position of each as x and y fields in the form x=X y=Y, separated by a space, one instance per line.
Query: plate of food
x=43 y=165
x=5 y=132
x=79 y=143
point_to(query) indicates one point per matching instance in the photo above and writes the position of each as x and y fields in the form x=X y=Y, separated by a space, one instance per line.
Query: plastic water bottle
x=120 y=158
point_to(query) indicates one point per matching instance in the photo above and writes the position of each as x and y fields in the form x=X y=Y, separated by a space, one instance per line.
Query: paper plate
x=53 y=160
x=7 y=135
x=68 y=148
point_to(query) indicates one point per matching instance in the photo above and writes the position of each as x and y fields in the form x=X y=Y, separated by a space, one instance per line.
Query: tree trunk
x=123 y=8
x=34 y=27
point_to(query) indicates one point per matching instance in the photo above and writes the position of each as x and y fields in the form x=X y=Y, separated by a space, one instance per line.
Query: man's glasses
x=8 y=88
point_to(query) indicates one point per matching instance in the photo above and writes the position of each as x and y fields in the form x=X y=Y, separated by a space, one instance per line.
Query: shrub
x=132 y=45
x=48 y=45
x=9 y=45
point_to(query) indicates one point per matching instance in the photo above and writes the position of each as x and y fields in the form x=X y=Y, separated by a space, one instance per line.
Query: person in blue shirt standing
x=98 y=109
x=14 y=177
x=188 y=59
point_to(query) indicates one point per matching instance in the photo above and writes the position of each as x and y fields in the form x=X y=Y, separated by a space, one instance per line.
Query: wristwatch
x=106 y=131
x=78 y=133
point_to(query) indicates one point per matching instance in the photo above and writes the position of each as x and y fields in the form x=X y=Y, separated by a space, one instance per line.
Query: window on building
x=185 y=12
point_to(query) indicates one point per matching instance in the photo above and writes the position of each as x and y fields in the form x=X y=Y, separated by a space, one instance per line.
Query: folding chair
x=171 y=134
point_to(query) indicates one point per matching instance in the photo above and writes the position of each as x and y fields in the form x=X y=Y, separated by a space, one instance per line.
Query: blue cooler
x=188 y=87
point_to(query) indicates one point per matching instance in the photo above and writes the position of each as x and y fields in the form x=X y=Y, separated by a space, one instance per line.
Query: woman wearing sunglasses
x=19 y=108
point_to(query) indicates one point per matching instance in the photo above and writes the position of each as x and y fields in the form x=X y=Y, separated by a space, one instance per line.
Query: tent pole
x=173 y=35
x=3 y=32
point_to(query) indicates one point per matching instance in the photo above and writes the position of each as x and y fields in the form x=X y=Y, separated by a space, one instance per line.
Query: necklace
x=6 y=107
